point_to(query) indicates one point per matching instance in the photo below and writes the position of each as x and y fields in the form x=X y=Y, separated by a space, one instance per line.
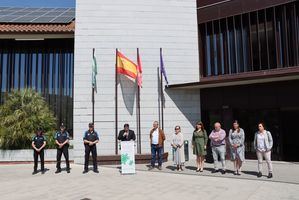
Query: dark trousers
x=42 y=162
x=65 y=151
x=93 y=150
x=155 y=149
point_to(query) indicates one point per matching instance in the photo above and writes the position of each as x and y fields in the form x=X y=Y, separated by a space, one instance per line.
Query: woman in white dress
x=177 y=144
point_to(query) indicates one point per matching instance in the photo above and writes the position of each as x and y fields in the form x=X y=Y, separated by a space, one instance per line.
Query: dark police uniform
x=38 y=142
x=90 y=136
x=61 y=138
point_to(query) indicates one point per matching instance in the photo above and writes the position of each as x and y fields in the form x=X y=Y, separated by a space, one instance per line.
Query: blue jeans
x=156 y=149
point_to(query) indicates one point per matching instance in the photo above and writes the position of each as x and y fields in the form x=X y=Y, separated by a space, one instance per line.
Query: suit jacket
x=131 y=136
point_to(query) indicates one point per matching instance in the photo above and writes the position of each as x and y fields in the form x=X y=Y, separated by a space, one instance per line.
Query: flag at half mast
x=125 y=66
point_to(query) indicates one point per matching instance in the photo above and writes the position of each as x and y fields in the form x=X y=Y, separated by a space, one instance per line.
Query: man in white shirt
x=157 y=138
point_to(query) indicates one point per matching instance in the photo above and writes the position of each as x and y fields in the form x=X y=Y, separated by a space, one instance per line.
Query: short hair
x=263 y=124
x=156 y=122
x=126 y=125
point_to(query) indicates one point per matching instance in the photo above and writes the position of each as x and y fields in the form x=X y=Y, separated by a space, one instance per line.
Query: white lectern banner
x=127 y=157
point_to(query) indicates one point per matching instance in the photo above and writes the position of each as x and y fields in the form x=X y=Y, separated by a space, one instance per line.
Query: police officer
x=90 y=139
x=38 y=144
x=62 y=141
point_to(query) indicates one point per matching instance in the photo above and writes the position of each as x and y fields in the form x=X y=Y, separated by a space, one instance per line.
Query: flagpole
x=138 y=114
x=162 y=96
x=92 y=98
x=116 y=104
x=159 y=94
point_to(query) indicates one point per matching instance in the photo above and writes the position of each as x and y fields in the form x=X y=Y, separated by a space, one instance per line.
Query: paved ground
x=285 y=172
x=16 y=182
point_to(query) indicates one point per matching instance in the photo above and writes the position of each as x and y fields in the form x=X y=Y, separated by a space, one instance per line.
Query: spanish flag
x=126 y=66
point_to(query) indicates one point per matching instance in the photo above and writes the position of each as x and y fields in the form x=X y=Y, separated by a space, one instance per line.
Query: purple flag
x=162 y=68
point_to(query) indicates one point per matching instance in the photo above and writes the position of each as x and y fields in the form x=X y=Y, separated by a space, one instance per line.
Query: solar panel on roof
x=43 y=19
x=36 y=15
x=65 y=19
x=23 y=18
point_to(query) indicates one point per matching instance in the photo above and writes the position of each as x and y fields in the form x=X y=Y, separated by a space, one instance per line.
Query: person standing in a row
x=62 y=141
x=236 y=140
x=157 y=138
x=199 y=145
x=263 y=143
x=38 y=144
x=90 y=139
x=177 y=144
x=217 y=138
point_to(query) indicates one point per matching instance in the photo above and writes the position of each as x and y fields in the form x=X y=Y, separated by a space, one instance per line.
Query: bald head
x=217 y=126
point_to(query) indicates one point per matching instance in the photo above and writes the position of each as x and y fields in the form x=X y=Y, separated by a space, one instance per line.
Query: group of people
x=263 y=143
x=90 y=139
x=61 y=140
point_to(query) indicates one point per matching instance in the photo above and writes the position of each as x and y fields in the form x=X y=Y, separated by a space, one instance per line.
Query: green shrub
x=20 y=116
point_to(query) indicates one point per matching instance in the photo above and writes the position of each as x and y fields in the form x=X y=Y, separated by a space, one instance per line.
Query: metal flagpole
x=138 y=114
x=116 y=104
x=162 y=95
x=93 y=89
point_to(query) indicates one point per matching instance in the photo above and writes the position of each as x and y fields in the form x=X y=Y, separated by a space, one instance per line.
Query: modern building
x=249 y=68
x=37 y=51
x=224 y=60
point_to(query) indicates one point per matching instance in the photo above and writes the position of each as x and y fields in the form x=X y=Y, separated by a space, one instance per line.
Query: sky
x=38 y=3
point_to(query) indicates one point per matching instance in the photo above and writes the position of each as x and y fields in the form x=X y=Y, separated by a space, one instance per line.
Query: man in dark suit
x=126 y=134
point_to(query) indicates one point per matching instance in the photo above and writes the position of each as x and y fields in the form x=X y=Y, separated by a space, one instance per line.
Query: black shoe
x=259 y=175
x=34 y=172
x=85 y=171
x=58 y=171
x=43 y=171
x=68 y=171
x=270 y=175
x=215 y=171
x=150 y=168
x=197 y=170
x=235 y=173
x=223 y=171
x=96 y=171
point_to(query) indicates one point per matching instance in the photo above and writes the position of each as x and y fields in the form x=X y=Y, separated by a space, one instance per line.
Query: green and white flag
x=94 y=72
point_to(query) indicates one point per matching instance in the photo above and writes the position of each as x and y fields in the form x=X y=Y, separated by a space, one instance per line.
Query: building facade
x=248 y=53
x=224 y=60
x=149 y=26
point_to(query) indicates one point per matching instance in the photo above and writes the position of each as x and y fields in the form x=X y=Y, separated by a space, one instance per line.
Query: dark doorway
x=276 y=104
x=290 y=139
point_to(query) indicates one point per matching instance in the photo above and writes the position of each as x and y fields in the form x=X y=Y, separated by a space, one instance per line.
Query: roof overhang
x=245 y=78
x=36 y=36
x=33 y=31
